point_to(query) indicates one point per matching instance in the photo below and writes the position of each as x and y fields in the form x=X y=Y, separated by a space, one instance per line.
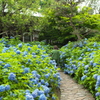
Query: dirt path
x=70 y=90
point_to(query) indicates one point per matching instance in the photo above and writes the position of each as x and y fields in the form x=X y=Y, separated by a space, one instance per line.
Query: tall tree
x=17 y=16
x=64 y=17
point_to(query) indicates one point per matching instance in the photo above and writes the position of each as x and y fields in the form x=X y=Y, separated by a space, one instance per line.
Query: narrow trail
x=70 y=90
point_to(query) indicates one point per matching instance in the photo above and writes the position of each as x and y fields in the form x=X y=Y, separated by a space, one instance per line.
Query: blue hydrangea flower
x=38 y=76
x=86 y=67
x=80 y=58
x=98 y=78
x=5 y=49
x=39 y=46
x=29 y=60
x=35 y=93
x=11 y=37
x=85 y=42
x=42 y=97
x=2 y=88
x=83 y=77
x=29 y=49
x=20 y=45
x=43 y=56
x=25 y=53
x=12 y=76
x=34 y=56
x=40 y=92
x=7 y=87
x=46 y=89
x=22 y=66
x=28 y=44
x=47 y=75
x=33 y=53
x=1 y=98
x=7 y=65
x=29 y=97
x=88 y=49
x=55 y=75
x=34 y=72
x=26 y=70
x=85 y=71
x=95 y=44
x=97 y=94
x=53 y=98
x=95 y=76
x=91 y=63
x=27 y=91
x=94 y=64
x=35 y=81
x=42 y=81
x=1 y=62
x=47 y=84
x=18 y=52
x=97 y=84
x=39 y=84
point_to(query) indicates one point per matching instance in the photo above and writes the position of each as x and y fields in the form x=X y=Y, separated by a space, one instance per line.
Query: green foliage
x=17 y=17
x=28 y=62
x=82 y=61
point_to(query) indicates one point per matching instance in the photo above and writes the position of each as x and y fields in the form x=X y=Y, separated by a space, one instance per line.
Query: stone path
x=70 y=90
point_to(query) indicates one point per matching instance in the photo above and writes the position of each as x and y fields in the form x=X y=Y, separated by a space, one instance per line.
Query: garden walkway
x=70 y=90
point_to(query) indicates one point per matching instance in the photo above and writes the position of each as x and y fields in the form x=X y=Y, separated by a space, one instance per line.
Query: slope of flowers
x=26 y=72
x=82 y=61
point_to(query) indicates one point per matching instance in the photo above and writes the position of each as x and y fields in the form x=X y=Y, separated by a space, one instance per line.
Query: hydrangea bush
x=82 y=61
x=26 y=72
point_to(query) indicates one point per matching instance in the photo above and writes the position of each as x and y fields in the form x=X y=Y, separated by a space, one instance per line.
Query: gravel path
x=70 y=90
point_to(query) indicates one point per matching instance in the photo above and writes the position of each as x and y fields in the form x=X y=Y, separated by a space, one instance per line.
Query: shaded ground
x=70 y=90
